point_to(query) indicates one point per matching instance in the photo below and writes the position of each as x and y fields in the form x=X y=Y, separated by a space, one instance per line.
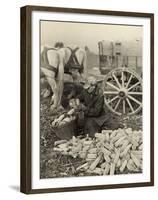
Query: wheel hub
x=122 y=93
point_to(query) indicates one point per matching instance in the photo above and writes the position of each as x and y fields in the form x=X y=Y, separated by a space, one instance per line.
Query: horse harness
x=71 y=64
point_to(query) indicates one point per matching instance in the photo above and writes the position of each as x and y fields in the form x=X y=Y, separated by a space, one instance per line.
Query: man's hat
x=91 y=80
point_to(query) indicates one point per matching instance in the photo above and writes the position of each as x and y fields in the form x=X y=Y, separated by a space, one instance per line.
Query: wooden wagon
x=122 y=83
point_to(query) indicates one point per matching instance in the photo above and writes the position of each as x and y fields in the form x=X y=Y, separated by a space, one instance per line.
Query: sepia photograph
x=90 y=99
x=87 y=87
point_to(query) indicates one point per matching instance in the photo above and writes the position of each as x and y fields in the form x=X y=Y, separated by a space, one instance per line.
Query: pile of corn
x=69 y=116
x=109 y=152
x=64 y=119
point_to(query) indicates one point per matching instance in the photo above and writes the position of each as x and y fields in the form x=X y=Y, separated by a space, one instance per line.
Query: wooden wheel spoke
x=112 y=86
x=124 y=106
x=123 y=84
x=135 y=100
x=133 y=86
x=117 y=104
x=113 y=99
x=129 y=80
x=135 y=93
x=119 y=85
x=130 y=105
x=110 y=92
x=123 y=91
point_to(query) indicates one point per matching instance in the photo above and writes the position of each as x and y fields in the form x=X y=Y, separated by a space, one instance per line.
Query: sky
x=83 y=34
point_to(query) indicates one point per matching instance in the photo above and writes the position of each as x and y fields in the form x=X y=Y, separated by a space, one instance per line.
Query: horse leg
x=60 y=83
x=53 y=59
x=54 y=88
x=52 y=82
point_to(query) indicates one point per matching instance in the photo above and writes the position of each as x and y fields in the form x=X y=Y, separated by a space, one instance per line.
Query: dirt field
x=53 y=164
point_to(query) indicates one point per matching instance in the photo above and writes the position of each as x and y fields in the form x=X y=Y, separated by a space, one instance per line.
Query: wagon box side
x=115 y=54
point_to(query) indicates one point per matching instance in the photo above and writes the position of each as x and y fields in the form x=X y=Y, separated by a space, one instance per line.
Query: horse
x=55 y=61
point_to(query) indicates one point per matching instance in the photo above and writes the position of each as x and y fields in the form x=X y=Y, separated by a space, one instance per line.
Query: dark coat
x=94 y=103
x=96 y=114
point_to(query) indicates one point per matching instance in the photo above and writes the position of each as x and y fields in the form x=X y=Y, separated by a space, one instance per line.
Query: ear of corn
x=135 y=160
x=84 y=166
x=96 y=162
x=123 y=166
x=112 y=168
x=59 y=142
x=107 y=169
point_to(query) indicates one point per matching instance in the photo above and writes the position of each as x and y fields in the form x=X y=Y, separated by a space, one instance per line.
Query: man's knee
x=89 y=122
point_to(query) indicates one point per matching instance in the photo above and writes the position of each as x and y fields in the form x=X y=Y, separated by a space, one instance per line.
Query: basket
x=66 y=131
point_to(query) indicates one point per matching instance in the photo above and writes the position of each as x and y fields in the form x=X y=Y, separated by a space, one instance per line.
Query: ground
x=53 y=164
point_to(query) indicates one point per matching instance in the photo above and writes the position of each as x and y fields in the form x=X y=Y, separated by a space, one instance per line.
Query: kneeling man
x=93 y=100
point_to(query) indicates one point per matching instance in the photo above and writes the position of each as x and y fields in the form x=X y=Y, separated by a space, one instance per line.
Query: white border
x=38 y=183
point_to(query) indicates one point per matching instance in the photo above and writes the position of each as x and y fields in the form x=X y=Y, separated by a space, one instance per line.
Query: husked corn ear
x=138 y=156
x=140 y=147
x=112 y=156
x=82 y=154
x=63 y=145
x=96 y=162
x=89 y=142
x=119 y=141
x=138 y=152
x=135 y=160
x=117 y=137
x=130 y=165
x=134 y=142
x=70 y=112
x=85 y=166
x=127 y=156
x=91 y=155
x=97 y=170
x=107 y=145
x=116 y=158
x=107 y=169
x=128 y=131
x=111 y=145
x=93 y=150
x=59 y=142
x=124 y=145
x=123 y=165
x=103 y=165
x=126 y=150
x=107 y=136
x=105 y=151
x=113 y=134
x=100 y=136
x=86 y=148
x=112 y=168
x=61 y=117
x=107 y=158
x=57 y=149
x=118 y=163
x=106 y=131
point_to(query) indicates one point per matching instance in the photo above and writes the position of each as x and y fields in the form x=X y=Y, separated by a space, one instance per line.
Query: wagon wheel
x=123 y=91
